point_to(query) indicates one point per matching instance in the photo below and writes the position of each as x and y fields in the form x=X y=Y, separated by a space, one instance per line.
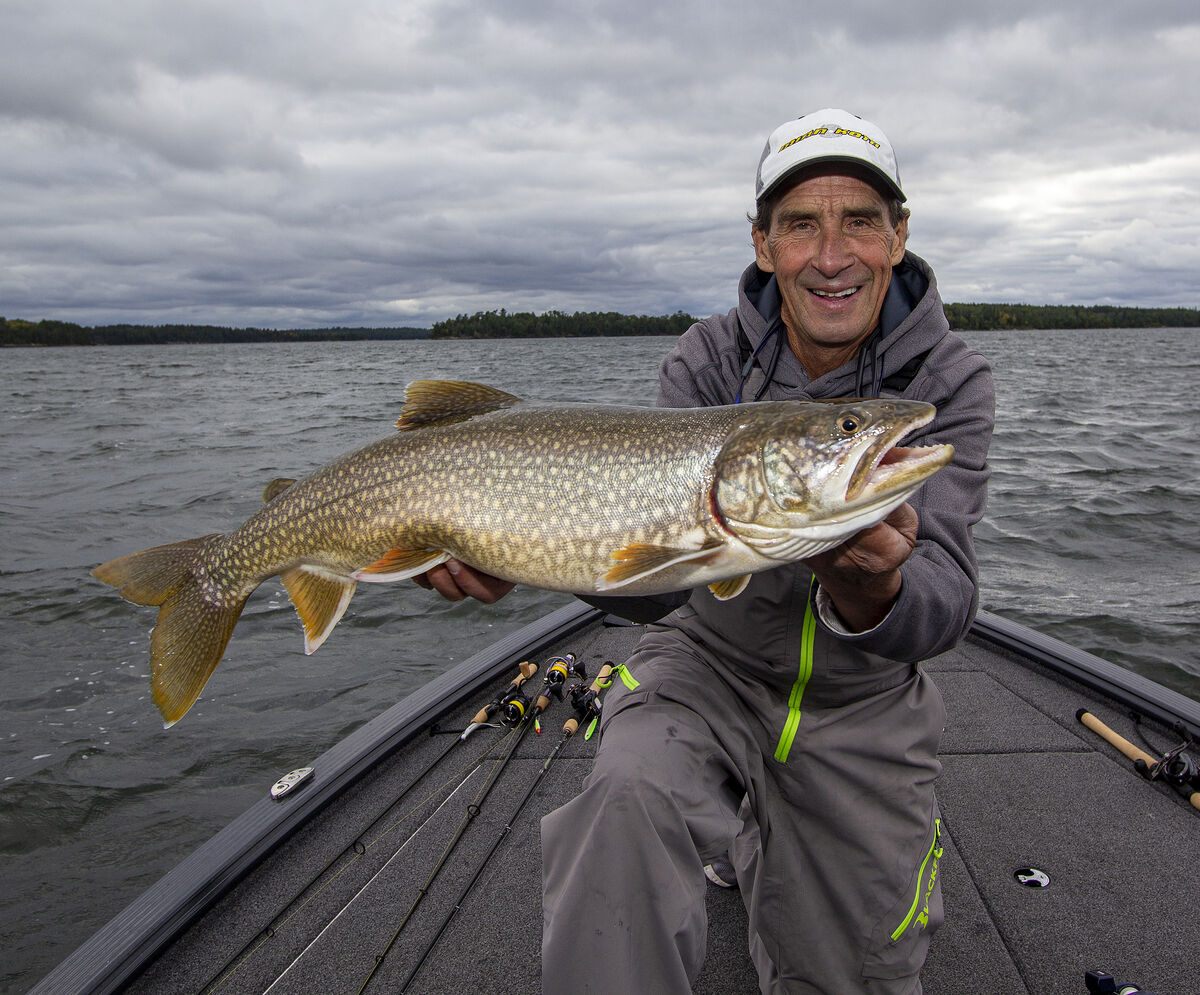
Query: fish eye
x=849 y=424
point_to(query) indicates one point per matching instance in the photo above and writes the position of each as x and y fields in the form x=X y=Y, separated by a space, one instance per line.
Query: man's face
x=832 y=249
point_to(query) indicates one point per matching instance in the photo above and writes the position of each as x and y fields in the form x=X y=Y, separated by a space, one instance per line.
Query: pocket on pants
x=901 y=938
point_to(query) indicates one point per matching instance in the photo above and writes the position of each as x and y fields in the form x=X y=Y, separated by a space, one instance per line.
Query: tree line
x=504 y=324
x=16 y=332
x=552 y=324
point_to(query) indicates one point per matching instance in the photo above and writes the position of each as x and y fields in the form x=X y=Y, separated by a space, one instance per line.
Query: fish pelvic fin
x=400 y=564
x=640 y=559
x=191 y=633
x=444 y=402
x=724 y=590
x=277 y=487
x=320 y=598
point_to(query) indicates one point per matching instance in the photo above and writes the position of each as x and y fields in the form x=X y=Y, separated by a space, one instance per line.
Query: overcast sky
x=297 y=163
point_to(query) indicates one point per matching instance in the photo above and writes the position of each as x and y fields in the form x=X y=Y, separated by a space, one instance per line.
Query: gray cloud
x=303 y=163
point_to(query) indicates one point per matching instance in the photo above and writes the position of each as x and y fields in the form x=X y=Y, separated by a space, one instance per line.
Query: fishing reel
x=558 y=671
x=585 y=698
x=1103 y=983
x=1175 y=767
x=513 y=708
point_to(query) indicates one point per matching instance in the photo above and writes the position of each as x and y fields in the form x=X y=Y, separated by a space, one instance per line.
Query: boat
x=406 y=858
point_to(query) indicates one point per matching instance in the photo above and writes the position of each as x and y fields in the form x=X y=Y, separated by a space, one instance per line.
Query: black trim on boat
x=1138 y=693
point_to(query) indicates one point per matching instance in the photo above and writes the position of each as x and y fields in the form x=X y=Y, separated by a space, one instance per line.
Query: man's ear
x=762 y=251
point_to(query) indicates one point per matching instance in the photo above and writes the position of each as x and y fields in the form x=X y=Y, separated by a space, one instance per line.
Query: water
x=1092 y=535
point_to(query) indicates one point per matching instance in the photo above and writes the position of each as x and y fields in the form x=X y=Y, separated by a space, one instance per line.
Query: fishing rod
x=526 y=670
x=1175 y=767
x=521 y=716
x=585 y=706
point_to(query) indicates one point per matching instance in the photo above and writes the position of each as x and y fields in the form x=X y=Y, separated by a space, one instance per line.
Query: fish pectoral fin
x=443 y=402
x=640 y=559
x=320 y=597
x=277 y=487
x=400 y=564
x=723 y=590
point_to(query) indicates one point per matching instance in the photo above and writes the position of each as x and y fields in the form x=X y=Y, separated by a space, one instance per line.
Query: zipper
x=934 y=854
x=807 y=639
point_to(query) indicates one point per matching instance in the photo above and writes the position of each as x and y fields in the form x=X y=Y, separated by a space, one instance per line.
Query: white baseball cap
x=828 y=135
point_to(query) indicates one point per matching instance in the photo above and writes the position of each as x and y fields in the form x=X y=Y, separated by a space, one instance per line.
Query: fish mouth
x=887 y=467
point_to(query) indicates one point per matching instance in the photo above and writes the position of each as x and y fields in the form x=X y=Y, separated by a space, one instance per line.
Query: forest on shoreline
x=554 y=324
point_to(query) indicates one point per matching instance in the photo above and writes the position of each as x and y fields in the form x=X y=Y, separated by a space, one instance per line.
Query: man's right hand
x=455 y=581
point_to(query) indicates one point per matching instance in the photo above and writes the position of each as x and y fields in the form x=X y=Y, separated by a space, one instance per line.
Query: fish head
x=797 y=477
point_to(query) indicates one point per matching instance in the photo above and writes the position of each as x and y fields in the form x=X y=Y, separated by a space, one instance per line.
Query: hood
x=911 y=322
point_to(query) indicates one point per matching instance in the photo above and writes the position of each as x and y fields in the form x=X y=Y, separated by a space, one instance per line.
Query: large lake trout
x=581 y=498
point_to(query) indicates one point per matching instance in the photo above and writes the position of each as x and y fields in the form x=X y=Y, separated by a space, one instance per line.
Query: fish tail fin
x=191 y=633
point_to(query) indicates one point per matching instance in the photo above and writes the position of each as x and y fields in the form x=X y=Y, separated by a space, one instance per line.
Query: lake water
x=1092 y=536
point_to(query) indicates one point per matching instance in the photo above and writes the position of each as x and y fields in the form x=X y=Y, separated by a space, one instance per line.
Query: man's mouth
x=834 y=294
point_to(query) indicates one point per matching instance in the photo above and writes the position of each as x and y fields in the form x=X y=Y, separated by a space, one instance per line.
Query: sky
x=296 y=163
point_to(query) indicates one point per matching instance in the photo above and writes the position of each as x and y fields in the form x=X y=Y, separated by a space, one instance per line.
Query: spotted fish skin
x=579 y=498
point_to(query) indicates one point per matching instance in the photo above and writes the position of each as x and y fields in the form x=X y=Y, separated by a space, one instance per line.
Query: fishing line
x=473 y=810
x=360 y=849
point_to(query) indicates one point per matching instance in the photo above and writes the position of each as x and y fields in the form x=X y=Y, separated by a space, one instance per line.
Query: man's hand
x=455 y=581
x=862 y=575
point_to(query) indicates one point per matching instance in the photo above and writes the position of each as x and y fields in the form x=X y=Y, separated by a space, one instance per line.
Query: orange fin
x=723 y=590
x=277 y=487
x=640 y=559
x=320 y=597
x=399 y=564
x=443 y=402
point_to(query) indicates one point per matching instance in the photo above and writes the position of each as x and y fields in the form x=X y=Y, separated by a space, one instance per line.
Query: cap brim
x=886 y=184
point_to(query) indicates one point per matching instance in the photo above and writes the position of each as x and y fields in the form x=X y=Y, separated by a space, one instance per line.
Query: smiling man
x=785 y=740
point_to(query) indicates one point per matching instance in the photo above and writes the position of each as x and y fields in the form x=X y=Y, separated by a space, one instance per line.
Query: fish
x=583 y=498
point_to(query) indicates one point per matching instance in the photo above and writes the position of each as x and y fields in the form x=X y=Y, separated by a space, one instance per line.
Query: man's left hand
x=862 y=575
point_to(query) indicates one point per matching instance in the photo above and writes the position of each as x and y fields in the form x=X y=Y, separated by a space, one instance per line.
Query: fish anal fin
x=443 y=402
x=277 y=487
x=640 y=559
x=724 y=590
x=320 y=597
x=400 y=564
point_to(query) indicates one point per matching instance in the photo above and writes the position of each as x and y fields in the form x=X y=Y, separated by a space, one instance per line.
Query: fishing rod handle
x=571 y=726
x=527 y=671
x=1133 y=752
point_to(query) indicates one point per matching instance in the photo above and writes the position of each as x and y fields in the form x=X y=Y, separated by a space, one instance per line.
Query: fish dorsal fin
x=277 y=487
x=443 y=402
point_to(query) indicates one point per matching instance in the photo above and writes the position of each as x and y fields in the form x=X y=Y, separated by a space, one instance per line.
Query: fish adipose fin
x=321 y=599
x=640 y=559
x=277 y=487
x=400 y=564
x=191 y=633
x=723 y=590
x=443 y=402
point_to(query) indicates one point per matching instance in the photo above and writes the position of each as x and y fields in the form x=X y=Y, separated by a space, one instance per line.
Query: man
x=788 y=732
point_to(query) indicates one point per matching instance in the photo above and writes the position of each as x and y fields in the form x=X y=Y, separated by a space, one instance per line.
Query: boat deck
x=1024 y=784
